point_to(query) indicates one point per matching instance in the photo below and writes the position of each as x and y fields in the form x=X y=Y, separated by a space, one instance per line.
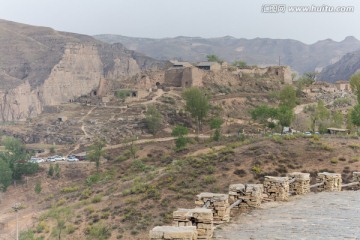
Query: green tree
x=38 y=187
x=285 y=115
x=349 y=123
x=337 y=119
x=153 y=119
x=57 y=170
x=180 y=132
x=197 y=104
x=15 y=156
x=239 y=64
x=262 y=113
x=287 y=97
x=214 y=58
x=5 y=175
x=96 y=152
x=216 y=123
x=51 y=170
x=132 y=148
x=355 y=115
x=355 y=85
x=318 y=114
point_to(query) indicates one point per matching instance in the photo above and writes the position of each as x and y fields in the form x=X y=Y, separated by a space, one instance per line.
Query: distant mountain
x=259 y=51
x=40 y=66
x=343 y=69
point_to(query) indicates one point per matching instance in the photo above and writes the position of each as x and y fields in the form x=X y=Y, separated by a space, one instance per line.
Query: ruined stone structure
x=300 y=184
x=276 y=188
x=214 y=208
x=173 y=233
x=209 y=66
x=219 y=203
x=332 y=182
x=201 y=218
x=250 y=194
x=281 y=73
x=183 y=77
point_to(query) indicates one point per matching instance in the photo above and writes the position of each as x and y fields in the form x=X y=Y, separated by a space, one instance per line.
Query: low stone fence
x=214 y=208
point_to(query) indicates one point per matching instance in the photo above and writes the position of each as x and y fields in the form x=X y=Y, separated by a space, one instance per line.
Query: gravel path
x=314 y=216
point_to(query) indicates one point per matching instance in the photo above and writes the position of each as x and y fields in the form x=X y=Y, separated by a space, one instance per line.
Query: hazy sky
x=203 y=18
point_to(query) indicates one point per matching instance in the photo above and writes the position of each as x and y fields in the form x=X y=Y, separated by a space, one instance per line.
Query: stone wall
x=250 y=194
x=332 y=182
x=214 y=208
x=276 y=188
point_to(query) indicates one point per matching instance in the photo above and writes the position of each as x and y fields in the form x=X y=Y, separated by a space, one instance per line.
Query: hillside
x=343 y=69
x=259 y=51
x=130 y=196
x=42 y=67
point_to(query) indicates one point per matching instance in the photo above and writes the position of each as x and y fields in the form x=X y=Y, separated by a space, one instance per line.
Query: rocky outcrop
x=42 y=67
x=343 y=69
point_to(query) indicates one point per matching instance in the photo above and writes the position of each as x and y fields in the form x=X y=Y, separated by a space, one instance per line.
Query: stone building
x=343 y=85
x=209 y=66
x=281 y=73
x=183 y=76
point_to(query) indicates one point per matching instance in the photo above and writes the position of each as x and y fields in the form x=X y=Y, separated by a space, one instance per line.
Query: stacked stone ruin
x=299 y=183
x=219 y=203
x=332 y=182
x=173 y=233
x=276 y=188
x=201 y=218
x=250 y=195
x=213 y=208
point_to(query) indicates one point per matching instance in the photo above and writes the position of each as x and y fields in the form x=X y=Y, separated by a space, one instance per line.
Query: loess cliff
x=43 y=67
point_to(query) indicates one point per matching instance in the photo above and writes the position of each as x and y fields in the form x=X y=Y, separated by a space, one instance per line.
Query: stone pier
x=173 y=233
x=332 y=182
x=301 y=185
x=276 y=188
x=250 y=194
x=201 y=218
x=218 y=203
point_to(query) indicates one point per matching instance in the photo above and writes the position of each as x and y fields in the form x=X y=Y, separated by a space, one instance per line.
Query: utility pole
x=16 y=208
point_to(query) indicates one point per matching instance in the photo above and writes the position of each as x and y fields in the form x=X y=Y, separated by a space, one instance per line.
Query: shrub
x=38 y=187
x=70 y=189
x=334 y=161
x=256 y=169
x=96 y=199
x=209 y=179
x=98 y=231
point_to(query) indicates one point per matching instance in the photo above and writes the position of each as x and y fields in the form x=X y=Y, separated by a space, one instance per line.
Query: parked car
x=59 y=158
x=51 y=159
x=72 y=159
x=36 y=160
x=307 y=134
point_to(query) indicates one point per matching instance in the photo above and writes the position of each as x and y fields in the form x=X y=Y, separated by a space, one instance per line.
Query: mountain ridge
x=258 y=51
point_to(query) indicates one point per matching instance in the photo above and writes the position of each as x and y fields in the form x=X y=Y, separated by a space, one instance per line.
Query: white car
x=51 y=159
x=59 y=158
x=72 y=159
x=36 y=160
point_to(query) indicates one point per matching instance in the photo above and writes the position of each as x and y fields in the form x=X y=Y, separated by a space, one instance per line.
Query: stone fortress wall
x=213 y=209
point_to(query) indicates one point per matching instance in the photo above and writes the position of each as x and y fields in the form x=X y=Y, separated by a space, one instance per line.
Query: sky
x=193 y=18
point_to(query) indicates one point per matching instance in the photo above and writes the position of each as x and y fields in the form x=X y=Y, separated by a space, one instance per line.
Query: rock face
x=42 y=67
x=343 y=69
x=259 y=51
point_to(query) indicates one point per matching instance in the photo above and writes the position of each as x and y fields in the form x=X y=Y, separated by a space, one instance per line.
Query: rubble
x=251 y=195
x=173 y=233
x=219 y=203
x=201 y=218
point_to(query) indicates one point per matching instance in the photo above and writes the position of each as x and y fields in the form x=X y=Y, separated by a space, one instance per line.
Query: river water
x=325 y=215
